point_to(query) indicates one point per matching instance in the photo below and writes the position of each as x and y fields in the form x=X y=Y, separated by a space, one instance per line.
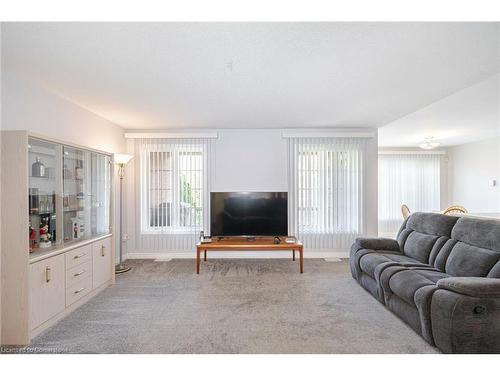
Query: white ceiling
x=469 y=115
x=252 y=75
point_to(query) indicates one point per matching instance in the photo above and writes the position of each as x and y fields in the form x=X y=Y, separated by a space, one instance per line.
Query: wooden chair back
x=405 y=211
x=455 y=209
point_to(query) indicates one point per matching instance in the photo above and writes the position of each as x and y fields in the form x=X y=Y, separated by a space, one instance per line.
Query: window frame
x=146 y=206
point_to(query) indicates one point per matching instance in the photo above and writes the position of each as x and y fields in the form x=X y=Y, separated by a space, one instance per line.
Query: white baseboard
x=310 y=254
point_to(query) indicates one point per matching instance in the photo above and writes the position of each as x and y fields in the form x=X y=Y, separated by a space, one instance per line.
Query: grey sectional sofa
x=441 y=276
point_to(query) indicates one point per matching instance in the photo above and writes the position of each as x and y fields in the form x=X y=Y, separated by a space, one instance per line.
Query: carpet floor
x=233 y=306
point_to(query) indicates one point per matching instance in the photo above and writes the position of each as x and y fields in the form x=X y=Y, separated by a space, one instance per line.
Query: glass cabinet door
x=43 y=159
x=100 y=193
x=76 y=194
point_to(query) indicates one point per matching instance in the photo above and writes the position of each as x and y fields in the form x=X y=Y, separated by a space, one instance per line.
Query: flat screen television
x=248 y=214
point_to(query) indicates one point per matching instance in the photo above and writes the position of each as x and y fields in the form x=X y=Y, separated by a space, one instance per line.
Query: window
x=411 y=179
x=326 y=194
x=323 y=179
x=172 y=187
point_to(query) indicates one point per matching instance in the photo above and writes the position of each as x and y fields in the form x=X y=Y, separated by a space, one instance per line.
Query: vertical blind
x=173 y=192
x=411 y=179
x=326 y=190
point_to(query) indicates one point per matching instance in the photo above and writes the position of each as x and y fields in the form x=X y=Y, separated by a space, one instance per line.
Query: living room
x=250 y=187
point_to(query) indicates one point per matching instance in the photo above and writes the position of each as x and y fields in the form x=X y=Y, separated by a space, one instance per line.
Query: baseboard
x=309 y=254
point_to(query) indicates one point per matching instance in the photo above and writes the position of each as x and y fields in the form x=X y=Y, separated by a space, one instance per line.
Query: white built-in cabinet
x=47 y=289
x=101 y=258
x=63 y=190
x=59 y=281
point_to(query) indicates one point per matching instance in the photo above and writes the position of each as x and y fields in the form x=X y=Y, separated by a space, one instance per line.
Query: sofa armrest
x=377 y=244
x=363 y=246
x=465 y=315
x=471 y=286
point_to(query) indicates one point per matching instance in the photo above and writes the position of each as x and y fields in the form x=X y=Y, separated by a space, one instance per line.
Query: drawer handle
x=79 y=256
x=102 y=250
x=79 y=290
x=79 y=273
x=47 y=274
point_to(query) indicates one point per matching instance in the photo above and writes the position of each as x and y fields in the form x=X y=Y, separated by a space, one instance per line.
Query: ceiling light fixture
x=429 y=144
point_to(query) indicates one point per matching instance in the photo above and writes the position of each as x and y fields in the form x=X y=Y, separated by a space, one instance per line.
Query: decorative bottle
x=38 y=168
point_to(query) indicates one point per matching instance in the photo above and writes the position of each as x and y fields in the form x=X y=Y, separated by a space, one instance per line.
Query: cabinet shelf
x=42 y=177
x=42 y=213
x=50 y=155
x=42 y=251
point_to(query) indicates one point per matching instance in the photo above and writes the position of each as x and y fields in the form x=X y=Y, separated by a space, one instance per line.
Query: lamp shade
x=122 y=158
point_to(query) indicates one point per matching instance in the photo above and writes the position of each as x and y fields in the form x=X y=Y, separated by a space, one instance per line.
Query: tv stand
x=257 y=244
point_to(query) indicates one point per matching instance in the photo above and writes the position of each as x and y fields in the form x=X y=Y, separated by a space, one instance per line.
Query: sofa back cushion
x=477 y=250
x=424 y=234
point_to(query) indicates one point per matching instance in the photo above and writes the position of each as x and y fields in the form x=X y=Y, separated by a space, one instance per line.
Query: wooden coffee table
x=243 y=244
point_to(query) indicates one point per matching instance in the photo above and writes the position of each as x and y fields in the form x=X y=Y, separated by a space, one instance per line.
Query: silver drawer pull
x=79 y=273
x=79 y=256
x=47 y=274
x=79 y=290
x=102 y=250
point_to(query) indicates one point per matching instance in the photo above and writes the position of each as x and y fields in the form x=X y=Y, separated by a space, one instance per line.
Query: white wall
x=471 y=168
x=250 y=160
x=29 y=106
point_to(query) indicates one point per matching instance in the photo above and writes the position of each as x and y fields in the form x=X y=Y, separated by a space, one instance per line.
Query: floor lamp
x=121 y=160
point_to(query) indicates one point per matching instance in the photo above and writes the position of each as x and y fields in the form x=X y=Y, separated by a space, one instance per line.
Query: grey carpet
x=233 y=306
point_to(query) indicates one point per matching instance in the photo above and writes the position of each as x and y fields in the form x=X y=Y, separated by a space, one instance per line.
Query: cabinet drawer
x=101 y=262
x=78 y=256
x=80 y=272
x=78 y=290
x=47 y=291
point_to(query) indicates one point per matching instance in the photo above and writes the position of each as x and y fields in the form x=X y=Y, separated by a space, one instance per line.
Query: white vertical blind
x=173 y=192
x=411 y=179
x=326 y=191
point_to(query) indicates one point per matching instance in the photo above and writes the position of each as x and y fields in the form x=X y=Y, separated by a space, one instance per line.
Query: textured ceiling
x=252 y=75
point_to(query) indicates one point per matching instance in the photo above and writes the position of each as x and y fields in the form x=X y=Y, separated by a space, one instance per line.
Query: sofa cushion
x=478 y=232
x=432 y=223
x=443 y=254
x=406 y=283
x=477 y=252
x=368 y=262
x=419 y=245
x=424 y=234
x=403 y=236
x=495 y=271
x=467 y=260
